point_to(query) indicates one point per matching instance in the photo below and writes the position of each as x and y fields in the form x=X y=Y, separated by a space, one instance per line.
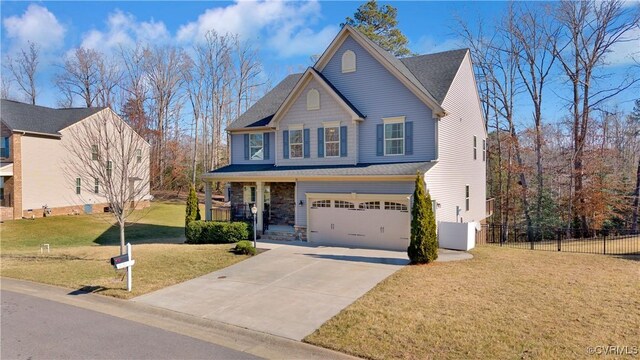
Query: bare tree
x=589 y=30
x=24 y=69
x=114 y=163
x=80 y=75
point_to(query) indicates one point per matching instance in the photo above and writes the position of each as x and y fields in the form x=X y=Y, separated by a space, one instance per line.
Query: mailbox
x=117 y=260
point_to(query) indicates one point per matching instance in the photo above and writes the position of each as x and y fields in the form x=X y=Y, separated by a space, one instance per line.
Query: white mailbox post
x=124 y=261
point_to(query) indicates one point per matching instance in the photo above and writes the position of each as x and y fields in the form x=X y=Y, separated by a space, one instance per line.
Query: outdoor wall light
x=301 y=203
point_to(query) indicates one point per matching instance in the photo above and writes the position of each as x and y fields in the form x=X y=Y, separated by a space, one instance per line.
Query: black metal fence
x=592 y=241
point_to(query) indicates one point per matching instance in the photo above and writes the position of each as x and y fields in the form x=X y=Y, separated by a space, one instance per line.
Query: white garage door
x=368 y=223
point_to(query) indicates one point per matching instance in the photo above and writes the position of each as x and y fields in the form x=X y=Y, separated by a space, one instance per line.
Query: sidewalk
x=237 y=338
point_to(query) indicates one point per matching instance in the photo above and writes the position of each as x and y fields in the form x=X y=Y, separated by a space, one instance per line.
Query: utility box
x=457 y=236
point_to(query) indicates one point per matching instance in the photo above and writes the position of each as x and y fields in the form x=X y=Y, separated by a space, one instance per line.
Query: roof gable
x=295 y=93
x=390 y=62
x=436 y=71
x=39 y=119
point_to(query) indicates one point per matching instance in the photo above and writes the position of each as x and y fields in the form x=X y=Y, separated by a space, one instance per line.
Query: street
x=34 y=328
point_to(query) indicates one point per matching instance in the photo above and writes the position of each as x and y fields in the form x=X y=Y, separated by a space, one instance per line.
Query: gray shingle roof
x=40 y=119
x=270 y=170
x=436 y=71
x=262 y=111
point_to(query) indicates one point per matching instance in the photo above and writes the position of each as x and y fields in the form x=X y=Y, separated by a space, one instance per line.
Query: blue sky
x=287 y=34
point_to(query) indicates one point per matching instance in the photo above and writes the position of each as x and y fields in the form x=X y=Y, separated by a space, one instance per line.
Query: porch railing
x=240 y=212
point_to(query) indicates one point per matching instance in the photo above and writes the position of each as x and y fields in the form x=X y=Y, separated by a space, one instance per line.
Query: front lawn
x=157 y=266
x=162 y=222
x=504 y=303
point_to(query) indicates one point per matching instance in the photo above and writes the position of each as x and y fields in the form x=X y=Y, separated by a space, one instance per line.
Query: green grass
x=162 y=222
x=502 y=304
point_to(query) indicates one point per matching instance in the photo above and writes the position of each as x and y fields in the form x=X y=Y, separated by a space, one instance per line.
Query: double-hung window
x=296 y=142
x=394 y=136
x=96 y=185
x=484 y=150
x=256 y=146
x=109 y=168
x=78 y=186
x=332 y=141
x=94 y=152
x=138 y=156
x=475 y=147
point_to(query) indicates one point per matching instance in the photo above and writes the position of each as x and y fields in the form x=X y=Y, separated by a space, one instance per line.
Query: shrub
x=424 y=242
x=191 y=212
x=213 y=232
x=245 y=247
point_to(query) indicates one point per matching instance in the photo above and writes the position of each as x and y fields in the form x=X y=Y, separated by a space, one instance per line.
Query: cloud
x=627 y=51
x=286 y=27
x=429 y=45
x=123 y=29
x=38 y=25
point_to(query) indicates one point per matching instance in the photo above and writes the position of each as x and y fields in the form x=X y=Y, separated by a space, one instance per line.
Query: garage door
x=368 y=223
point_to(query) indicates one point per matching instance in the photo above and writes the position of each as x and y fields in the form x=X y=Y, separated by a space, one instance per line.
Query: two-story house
x=334 y=152
x=34 y=162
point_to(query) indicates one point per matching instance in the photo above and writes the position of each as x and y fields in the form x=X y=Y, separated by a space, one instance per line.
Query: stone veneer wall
x=283 y=203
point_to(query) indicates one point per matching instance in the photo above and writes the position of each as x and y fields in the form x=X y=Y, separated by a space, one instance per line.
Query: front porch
x=275 y=203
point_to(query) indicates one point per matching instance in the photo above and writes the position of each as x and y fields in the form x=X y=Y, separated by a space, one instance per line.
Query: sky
x=287 y=34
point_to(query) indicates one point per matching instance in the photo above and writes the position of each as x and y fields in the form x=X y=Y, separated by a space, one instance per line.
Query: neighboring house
x=35 y=150
x=333 y=152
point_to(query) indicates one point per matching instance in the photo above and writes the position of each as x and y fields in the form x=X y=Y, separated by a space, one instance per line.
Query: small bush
x=213 y=232
x=245 y=247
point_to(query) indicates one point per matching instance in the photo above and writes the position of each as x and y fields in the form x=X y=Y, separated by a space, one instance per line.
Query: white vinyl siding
x=256 y=146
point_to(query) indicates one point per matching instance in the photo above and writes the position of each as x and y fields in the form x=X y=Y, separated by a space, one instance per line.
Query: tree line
x=179 y=99
x=578 y=169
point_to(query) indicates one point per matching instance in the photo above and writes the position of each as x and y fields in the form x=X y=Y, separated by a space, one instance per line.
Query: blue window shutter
x=265 y=145
x=380 y=140
x=307 y=145
x=246 y=146
x=320 y=142
x=343 y=141
x=408 y=138
x=285 y=144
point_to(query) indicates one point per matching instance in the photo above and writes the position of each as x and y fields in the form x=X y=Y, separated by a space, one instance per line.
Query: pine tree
x=192 y=207
x=380 y=25
x=423 y=247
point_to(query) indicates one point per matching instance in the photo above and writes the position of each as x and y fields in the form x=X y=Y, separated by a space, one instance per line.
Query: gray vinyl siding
x=330 y=110
x=378 y=94
x=237 y=150
x=456 y=168
x=346 y=187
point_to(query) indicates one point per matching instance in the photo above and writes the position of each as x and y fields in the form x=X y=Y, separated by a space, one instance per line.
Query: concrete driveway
x=289 y=290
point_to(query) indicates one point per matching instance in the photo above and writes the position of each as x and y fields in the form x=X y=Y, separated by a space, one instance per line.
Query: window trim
x=255 y=147
x=390 y=121
x=331 y=126
x=78 y=186
x=301 y=143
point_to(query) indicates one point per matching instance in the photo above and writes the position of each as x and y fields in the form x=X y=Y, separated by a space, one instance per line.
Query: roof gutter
x=24 y=132
x=251 y=129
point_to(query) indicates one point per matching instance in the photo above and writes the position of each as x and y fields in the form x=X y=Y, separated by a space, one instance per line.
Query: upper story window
x=296 y=142
x=475 y=147
x=332 y=141
x=96 y=185
x=313 y=99
x=138 y=156
x=256 y=146
x=348 y=61
x=394 y=136
x=484 y=150
x=109 y=168
x=4 y=147
x=94 y=152
x=78 y=185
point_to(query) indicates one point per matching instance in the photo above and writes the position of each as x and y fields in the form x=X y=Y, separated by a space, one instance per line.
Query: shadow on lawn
x=88 y=289
x=142 y=234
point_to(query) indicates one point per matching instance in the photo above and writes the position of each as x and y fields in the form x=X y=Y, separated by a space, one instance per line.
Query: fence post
x=501 y=234
x=529 y=235
x=604 y=243
x=559 y=240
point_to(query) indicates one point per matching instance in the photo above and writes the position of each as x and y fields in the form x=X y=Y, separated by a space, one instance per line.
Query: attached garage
x=380 y=221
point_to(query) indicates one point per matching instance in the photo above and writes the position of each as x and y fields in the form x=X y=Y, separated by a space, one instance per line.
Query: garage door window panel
x=394 y=206
x=340 y=204
x=370 y=205
x=321 y=204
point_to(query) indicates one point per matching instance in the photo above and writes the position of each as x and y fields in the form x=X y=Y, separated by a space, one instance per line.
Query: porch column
x=259 y=203
x=207 y=200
